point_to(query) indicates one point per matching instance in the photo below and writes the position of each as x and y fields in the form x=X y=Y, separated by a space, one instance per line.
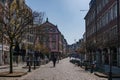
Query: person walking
x=54 y=58
x=93 y=66
x=58 y=58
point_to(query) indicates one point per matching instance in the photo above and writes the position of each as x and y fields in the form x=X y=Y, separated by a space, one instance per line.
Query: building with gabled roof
x=50 y=37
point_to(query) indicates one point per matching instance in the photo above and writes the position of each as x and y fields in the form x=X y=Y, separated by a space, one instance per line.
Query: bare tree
x=17 y=18
x=38 y=17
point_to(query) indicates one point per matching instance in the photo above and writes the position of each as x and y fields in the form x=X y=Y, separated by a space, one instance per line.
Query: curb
x=100 y=75
x=4 y=67
x=106 y=76
x=7 y=74
x=32 y=67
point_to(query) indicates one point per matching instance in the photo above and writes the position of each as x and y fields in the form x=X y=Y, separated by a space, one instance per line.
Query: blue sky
x=65 y=14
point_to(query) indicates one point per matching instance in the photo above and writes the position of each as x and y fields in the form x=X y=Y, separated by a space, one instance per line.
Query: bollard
x=34 y=64
x=92 y=67
x=29 y=69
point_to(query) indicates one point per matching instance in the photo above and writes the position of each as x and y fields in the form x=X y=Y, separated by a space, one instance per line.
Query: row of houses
x=47 y=38
x=78 y=48
x=43 y=37
x=102 y=34
x=4 y=44
x=101 y=40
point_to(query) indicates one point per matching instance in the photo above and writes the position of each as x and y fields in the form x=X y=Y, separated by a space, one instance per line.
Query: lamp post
x=34 y=60
x=92 y=57
x=29 y=70
x=2 y=44
x=110 y=65
x=118 y=30
x=29 y=63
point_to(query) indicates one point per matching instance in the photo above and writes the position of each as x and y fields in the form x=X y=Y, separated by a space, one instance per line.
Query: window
x=98 y=24
x=115 y=11
x=109 y=19
x=53 y=45
x=106 y=1
x=3 y=1
x=53 y=37
x=103 y=3
x=103 y=21
x=111 y=14
x=52 y=30
x=114 y=30
x=106 y=18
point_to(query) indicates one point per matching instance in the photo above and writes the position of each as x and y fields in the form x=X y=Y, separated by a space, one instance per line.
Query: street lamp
x=29 y=63
x=29 y=69
x=93 y=56
x=34 y=60
x=110 y=61
x=118 y=32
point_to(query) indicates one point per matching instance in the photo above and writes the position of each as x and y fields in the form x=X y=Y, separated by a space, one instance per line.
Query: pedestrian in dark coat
x=54 y=59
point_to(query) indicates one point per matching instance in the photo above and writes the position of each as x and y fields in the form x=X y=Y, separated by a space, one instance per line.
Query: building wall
x=4 y=45
x=101 y=28
x=50 y=36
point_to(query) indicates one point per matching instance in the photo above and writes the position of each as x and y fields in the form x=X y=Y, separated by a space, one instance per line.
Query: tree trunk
x=11 y=58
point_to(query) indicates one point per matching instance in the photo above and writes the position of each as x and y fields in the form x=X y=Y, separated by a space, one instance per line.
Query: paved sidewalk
x=64 y=70
x=18 y=68
x=7 y=66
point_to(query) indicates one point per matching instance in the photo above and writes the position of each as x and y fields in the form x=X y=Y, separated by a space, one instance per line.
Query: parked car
x=75 y=60
x=46 y=59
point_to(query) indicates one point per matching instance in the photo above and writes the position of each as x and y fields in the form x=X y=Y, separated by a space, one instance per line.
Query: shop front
x=4 y=54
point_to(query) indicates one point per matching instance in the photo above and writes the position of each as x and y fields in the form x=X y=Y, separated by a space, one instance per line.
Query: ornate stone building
x=51 y=38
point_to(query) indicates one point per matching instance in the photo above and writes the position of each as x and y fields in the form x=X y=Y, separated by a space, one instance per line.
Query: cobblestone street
x=64 y=70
